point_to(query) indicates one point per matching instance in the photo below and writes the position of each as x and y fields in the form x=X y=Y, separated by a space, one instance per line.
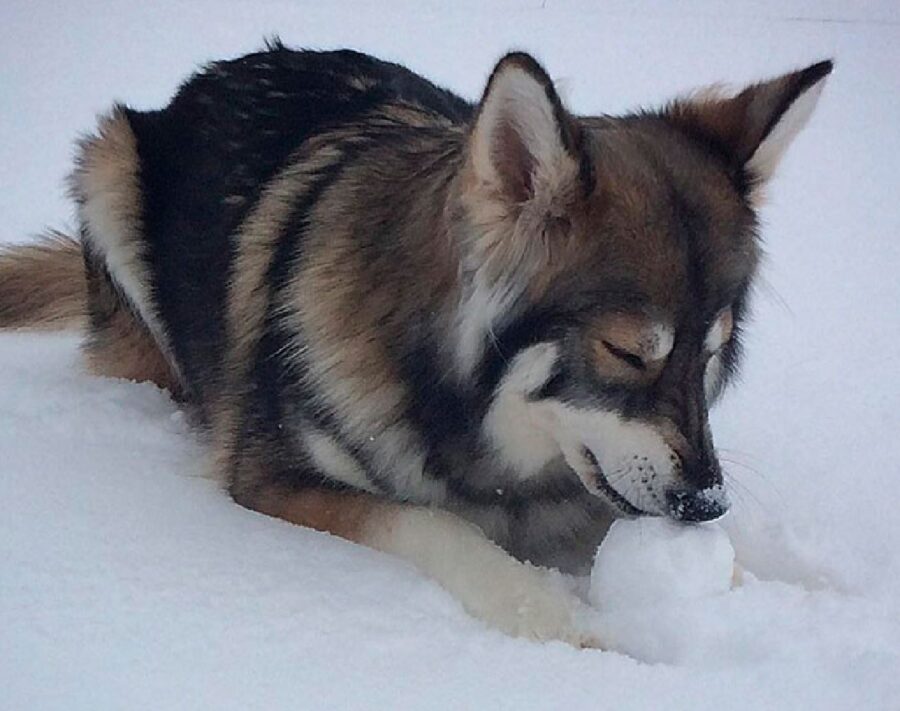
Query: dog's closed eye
x=632 y=359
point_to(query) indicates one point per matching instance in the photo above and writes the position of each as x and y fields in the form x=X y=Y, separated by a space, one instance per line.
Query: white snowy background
x=128 y=581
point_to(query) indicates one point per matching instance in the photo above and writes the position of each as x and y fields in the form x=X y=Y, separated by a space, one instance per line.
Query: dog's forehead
x=668 y=222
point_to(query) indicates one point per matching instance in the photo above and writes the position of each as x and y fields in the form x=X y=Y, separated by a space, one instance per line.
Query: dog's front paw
x=513 y=597
x=534 y=605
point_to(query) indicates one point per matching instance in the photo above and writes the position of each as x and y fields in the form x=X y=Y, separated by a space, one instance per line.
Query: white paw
x=530 y=602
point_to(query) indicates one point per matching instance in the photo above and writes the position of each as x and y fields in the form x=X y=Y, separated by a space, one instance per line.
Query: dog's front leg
x=515 y=597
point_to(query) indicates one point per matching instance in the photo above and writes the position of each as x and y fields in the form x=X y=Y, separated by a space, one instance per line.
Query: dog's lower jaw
x=584 y=464
x=606 y=489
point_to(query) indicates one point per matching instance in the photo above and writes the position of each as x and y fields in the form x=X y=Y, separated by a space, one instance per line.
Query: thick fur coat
x=466 y=334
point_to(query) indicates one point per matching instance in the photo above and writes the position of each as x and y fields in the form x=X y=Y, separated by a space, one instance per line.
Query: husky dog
x=469 y=335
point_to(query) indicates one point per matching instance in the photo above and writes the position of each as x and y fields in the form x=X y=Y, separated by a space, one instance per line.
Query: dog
x=468 y=335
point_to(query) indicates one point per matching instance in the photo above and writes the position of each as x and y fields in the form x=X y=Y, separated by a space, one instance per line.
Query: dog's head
x=609 y=262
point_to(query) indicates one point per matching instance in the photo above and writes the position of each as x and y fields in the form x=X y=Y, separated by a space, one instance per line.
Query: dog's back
x=179 y=182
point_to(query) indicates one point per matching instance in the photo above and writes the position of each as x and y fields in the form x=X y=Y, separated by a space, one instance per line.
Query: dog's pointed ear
x=524 y=142
x=754 y=127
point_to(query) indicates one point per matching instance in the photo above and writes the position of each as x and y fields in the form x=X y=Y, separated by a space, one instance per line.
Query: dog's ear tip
x=815 y=73
x=516 y=55
x=822 y=68
x=521 y=61
x=519 y=58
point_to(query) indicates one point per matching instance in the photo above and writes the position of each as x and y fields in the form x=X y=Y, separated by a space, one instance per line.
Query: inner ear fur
x=528 y=172
x=753 y=128
x=523 y=142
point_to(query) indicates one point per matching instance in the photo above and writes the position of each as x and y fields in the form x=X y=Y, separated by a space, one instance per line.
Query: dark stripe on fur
x=279 y=401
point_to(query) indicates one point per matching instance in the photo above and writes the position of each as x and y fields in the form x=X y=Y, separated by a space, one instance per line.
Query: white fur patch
x=518 y=427
x=717 y=334
x=765 y=159
x=331 y=458
x=479 y=309
x=662 y=341
x=634 y=456
x=712 y=377
x=398 y=453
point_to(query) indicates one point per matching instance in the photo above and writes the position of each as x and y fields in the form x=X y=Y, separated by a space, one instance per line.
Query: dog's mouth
x=686 y=504
x=603 y=485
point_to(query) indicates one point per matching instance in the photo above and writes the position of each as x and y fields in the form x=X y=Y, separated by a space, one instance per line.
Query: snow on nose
x=703 y=505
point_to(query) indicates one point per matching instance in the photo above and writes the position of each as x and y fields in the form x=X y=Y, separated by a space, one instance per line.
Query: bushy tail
x=42 y=285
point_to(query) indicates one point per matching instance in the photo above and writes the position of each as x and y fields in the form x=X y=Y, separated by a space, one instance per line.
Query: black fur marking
x=203 y=161
x=205 y=158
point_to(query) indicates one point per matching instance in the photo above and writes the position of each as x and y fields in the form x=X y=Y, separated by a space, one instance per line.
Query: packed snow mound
x=652 y=561
x=661 y=588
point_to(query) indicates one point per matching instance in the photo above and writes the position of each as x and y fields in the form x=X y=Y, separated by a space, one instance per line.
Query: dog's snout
x=696 y=506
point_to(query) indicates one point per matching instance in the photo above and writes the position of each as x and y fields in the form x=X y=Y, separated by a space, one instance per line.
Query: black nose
x=704 y=505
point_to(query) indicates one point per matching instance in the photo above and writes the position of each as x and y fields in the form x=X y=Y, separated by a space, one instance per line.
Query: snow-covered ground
x=128 y=581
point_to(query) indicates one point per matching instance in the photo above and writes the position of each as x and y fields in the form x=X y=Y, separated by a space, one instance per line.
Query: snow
x=655 y=582
x=128 y=580
x=653 y=562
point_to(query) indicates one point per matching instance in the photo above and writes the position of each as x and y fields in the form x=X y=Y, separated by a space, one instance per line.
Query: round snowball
x=649 y=561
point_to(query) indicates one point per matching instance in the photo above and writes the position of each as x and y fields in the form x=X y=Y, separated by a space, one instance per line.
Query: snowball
x=648 y=561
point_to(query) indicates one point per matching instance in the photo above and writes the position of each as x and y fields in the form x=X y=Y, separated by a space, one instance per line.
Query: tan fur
x=629 y=334
x=365 y=311
x=106 y=185
x=633 y=215
x=342 y=514
x=42 y=285
x=105 y=181
x=256 y=240
x=124 y=349
x=361 y=382
x=248 y=296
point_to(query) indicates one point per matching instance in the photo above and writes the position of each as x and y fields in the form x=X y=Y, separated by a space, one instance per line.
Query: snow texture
x=655 y=562
x=129 y=581
x=652 y=577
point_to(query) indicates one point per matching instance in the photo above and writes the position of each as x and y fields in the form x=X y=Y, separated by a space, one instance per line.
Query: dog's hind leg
x=125 y=336
x=512 y=596
x=118 y=343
